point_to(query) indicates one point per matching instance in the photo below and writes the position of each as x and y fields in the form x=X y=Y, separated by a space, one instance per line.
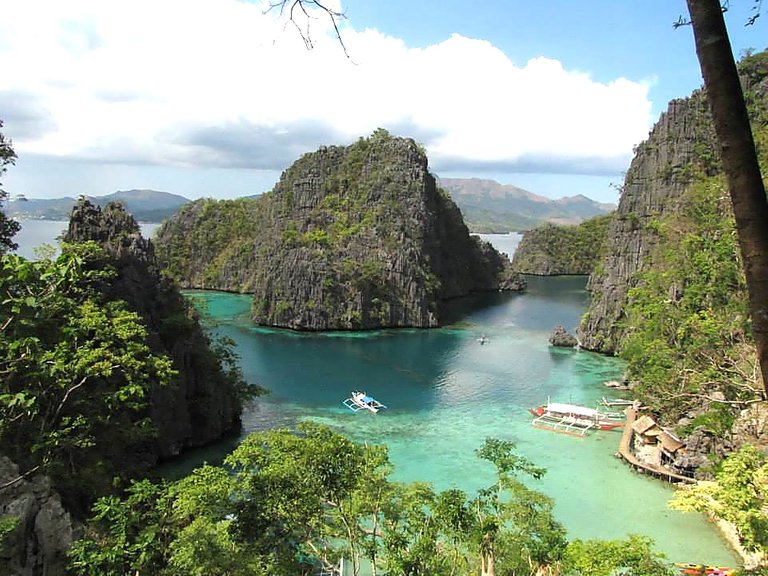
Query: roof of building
x=643 y=424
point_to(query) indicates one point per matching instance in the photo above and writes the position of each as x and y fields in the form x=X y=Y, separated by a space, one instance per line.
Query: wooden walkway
x=625 y=452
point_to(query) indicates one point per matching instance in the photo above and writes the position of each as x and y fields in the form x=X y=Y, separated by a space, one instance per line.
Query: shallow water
x=446 y=393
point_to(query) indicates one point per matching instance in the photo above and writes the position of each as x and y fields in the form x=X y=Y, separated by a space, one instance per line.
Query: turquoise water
x=446 y=393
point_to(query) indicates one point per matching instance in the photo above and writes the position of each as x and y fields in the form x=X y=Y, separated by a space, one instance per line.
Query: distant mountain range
x=487 y=206
x=144 y=205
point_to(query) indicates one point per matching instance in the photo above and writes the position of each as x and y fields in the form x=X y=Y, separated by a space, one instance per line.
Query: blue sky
x=215 y=98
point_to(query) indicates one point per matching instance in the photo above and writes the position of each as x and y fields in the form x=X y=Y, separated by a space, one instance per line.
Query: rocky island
x=555 y=250
x=204 y=404
x=351 y=238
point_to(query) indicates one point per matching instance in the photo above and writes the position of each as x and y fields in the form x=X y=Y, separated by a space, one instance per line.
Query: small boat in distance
x=361 y=401
x=574 y=419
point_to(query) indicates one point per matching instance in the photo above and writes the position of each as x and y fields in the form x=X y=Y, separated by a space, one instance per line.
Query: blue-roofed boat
x=361 y=401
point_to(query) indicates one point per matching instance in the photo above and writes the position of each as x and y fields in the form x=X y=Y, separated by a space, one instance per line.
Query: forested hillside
x=104 y=370
x=552 y=250
x=669 y=295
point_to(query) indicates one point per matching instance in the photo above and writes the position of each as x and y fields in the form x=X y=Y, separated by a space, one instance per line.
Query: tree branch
x=306 y=37
x=66 y=396
x=19 y=478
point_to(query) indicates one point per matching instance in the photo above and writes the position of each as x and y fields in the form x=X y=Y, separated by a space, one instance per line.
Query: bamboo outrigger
x=361 y=401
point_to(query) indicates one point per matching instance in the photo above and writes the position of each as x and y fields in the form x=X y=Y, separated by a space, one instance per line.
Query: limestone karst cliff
x=660 y=172
x=669 y=295
x=204 y=404
x=42 y=528
x=355 y=237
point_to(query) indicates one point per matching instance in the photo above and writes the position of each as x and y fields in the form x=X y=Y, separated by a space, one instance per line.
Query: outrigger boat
x=361 y=401
x=705 y=570
x=616 y=402
x=574 y=419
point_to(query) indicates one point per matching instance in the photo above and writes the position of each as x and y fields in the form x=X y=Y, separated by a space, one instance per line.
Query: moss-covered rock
x=355 y=237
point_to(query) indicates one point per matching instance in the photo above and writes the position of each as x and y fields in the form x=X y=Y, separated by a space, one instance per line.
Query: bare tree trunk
x=487 y=560
x=737 y=147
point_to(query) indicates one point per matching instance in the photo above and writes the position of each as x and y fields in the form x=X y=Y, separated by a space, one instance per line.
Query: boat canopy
x=559 y=408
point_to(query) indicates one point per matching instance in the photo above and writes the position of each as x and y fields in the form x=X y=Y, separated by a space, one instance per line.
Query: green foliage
x=553 y=249
x=739 y=495
x=269 y=512
x=754 y=67
x=411 y=533
x=75 y=372
x=687 y=316
x=288 y=501
x=8 y=227
x=316 y=236
x=631 y=557
x=514 y=524
x=126 y=535
x=222 y=230
x=8 y=525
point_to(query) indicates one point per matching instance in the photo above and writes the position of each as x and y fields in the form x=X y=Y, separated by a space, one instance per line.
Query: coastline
x=726 y=529
x=751 y=560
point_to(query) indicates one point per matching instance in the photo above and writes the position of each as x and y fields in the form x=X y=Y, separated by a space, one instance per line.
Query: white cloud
x=163 y=82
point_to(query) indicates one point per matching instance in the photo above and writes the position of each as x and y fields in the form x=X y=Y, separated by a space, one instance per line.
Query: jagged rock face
x=655 y=181
x=354 y=237
x=43 y=530
x=202 y=406
x=561 y=338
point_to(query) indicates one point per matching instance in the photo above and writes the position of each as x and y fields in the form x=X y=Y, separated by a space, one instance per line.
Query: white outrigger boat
x=574 y=419
x=361 y=401
x=617 y=402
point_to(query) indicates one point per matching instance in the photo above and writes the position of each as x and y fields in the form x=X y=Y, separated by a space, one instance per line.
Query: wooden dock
x=625 y=452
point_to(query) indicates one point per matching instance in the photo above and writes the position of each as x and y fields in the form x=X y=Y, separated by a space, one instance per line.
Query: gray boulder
x=560 y=337
x=42 y=530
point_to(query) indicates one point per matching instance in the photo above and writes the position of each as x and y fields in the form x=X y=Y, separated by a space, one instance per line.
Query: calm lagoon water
x=446 y=393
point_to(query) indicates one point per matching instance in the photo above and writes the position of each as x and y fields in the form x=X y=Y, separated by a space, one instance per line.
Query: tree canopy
x=75 y=372
x=289 y=502
x=8 y=227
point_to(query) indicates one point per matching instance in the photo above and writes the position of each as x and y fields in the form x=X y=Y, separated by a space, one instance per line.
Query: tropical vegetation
x=8 y=227
x=553 y=249
x=688 y=336
x=290 y=502
x=76 y=372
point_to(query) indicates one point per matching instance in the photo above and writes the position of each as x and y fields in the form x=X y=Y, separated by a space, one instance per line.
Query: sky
x=215 y=98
